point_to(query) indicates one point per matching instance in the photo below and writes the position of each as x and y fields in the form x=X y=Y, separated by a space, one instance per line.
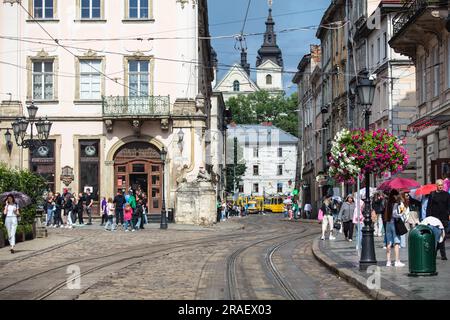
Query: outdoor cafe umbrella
x=425 y=189
x=22 y=200
x=399 y=184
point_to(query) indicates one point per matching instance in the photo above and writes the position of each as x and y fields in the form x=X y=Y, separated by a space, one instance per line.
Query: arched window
x=268 y=79
x=236 y=85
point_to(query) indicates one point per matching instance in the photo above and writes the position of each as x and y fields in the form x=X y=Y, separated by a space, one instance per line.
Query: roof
x=278 y=134
x=239 y=69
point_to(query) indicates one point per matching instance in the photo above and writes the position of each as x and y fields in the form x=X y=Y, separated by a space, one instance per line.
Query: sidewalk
x=342 y=257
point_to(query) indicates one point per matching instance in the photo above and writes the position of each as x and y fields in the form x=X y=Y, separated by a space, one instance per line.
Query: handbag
x=337 y=225
x=400 y=228
x=320 y=216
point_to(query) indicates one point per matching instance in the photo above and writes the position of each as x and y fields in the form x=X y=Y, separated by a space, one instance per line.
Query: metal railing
x=413 y=8
x=123 y=106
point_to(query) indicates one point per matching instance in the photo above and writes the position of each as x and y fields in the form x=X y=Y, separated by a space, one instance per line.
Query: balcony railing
x=145 y=106
x=413 y=8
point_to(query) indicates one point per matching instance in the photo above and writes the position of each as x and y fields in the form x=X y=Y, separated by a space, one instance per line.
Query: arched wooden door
x=137 y=165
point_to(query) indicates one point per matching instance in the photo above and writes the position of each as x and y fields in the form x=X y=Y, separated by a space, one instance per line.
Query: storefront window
x=42 y=162
x=89 y=166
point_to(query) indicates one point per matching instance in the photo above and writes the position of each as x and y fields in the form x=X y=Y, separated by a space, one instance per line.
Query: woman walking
x=393 y=240
x=346 y=216
x=327 y=218
x=68 y=208
x=11 y=212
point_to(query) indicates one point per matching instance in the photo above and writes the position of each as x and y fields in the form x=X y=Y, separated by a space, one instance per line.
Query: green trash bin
x=422 y=252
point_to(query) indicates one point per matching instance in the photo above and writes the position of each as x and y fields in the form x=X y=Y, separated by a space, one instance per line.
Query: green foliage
x=233 y=178
x=261 y=106
x=24 y=181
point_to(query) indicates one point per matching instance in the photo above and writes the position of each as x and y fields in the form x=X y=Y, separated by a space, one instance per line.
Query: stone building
x=421 y=33
x=115 y=98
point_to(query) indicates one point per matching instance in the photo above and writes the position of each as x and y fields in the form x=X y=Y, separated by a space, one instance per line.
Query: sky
x=227 y=18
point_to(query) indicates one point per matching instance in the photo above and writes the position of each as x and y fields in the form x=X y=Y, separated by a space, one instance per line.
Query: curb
x=350 y=276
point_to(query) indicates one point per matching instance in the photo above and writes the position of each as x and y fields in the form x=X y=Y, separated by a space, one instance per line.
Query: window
x=90 y=87
x=241 y=188
x=280 y=152
x=43 y=9
x=90 y=9
x=378 y=50
x=448 y=62
x=423 y=79
x=236 y=85
x=138 y=77
x=372 y=55
x=138 y=9
x=89 y=160
x=385 y=45
x=43 y=80
x=255 y=170
x=280 y=170
x=255 y=188
x=436 y=71
x=280 y=187
x=42 y=162
x=255 y=152
x=268 y=79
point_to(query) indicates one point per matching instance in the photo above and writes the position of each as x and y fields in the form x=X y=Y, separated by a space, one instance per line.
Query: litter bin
x=422 y=252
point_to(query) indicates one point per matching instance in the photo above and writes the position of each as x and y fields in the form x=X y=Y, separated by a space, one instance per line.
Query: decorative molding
x=42 y=54
x=109 y=162
x=184 y=2
x=165 y=124
x=136 y=127
x=90 y=53
x=109 y=125
x=67 y=175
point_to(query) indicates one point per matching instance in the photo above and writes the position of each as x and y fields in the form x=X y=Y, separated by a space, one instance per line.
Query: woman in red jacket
x=127 y=215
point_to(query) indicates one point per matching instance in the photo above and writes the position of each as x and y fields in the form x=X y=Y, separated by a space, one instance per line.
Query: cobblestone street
x=256 y=257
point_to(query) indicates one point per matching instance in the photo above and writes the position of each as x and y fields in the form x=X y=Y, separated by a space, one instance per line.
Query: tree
x=261 y=106
x=235 y=167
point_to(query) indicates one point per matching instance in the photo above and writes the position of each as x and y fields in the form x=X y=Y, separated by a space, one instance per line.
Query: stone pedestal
x=196 y=204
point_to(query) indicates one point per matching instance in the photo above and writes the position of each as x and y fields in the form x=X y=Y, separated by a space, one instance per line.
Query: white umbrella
x=362 y=192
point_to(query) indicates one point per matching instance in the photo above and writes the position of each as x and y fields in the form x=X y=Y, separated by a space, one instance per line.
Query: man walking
x=439 y=207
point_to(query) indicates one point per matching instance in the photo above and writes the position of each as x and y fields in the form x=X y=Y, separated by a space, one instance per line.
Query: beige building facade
x=117 y=94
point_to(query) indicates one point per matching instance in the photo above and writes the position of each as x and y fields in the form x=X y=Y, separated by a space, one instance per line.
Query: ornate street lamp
x=366 y=90
x=20 y=127
x=163 y=154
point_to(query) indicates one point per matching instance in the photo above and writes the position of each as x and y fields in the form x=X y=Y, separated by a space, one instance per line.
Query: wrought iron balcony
x=412 y=9
x=136 y=107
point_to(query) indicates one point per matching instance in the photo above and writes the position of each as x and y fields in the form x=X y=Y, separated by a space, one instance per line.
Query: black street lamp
x=20 y=127
x=163 y=225
x=366 y=90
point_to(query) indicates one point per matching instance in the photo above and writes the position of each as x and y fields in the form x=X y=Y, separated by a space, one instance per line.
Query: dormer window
x=236 y=86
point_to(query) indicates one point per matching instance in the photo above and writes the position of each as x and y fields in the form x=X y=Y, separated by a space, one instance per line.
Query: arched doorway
x=138 y=165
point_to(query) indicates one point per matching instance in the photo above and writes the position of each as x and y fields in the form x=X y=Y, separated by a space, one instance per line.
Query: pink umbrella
x=399 y=184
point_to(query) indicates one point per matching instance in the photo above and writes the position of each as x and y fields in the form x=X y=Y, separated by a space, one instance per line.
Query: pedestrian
x=132 y=200
x=104 y=211
x=378 y=205
x=110 y=210
x=439 y=207
x=49 y=208
x=68 y=208
x=80 y=208
x=11 y=213
x=137 y=215
x=308 y=209
x=224 y=210
x=358 y=218
x=88 y=202
x=119 y=204
x=127 y=216
x=346 y=216
x=58 y=205
x=327 y=218
x=424 y=205
x=392 y=212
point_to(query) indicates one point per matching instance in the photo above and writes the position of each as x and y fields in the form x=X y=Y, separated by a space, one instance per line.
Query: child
x=127 y=215
x=110 y=213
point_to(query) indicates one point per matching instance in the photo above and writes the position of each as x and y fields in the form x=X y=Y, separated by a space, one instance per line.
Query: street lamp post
x=163 y=225
x=365 y=90
x=20 y=127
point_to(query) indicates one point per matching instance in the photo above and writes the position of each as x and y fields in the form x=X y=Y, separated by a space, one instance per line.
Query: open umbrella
x=21 y=198
x=426 y=189
x=399 y=184
x=362 y=192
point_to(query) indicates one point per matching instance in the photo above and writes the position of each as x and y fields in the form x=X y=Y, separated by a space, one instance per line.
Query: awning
x=428 y=121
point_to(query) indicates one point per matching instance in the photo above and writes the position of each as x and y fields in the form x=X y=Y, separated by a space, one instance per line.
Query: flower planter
x=20 y=237
x=29 y=236
x=34 y=230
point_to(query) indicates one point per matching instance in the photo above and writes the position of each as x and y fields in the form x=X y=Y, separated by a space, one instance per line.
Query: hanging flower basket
x=357 y=152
